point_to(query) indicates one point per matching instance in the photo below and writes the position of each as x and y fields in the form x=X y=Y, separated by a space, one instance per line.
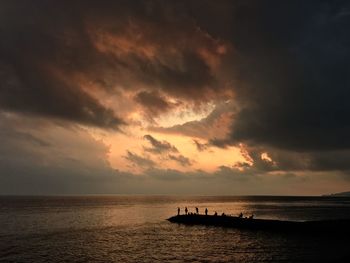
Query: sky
x=239 y=97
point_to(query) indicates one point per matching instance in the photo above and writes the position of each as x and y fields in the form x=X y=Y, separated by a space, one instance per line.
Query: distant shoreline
x=341 y=194
x=163 y=195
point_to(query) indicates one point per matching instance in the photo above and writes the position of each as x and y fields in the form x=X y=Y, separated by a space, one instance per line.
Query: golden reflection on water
x=134 y=229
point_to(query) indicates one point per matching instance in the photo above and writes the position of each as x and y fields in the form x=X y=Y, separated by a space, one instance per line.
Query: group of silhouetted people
x=206 y=213
x=189 y=213
x=248 y=217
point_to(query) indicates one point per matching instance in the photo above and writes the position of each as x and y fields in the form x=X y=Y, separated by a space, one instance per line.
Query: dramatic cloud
x=264 y=85
x=37 y=59
x=55 y=57
x=159 y=147
x=292 y=80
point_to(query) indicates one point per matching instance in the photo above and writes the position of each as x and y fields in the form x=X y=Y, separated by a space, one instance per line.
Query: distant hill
x=340 y=194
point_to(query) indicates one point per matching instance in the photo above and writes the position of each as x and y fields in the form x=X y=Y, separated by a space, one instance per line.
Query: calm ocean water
x=134 y=229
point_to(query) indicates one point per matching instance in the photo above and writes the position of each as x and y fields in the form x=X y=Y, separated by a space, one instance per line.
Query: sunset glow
x=143 y=96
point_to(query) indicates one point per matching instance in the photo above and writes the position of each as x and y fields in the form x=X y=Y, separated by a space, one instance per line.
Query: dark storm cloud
x=37 y=93
x=291 y=78
x=159 y=147
x=289 y=68
x=175 y=55
x=41 y=45
x=51 y=50
x=291 y=74
x=286 y=62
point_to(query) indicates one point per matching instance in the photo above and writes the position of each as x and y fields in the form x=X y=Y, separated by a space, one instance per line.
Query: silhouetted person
x=251 y=217
x=215 y=214
x=197 y=211
x=178 y=211
x=240 y=215
x=206 y=211
x=223 y=214
x=186 y=210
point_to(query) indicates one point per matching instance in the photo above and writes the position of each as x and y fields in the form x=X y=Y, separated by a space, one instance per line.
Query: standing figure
x=178 y=211
x=197 y=212
x=206 y=211
x=186 y=210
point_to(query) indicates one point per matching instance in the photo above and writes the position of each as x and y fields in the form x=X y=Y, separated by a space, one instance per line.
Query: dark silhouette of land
x=342 y=194
x=336 y=227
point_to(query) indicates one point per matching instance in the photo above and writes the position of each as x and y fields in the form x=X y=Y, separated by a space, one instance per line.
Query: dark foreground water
x=134 y=229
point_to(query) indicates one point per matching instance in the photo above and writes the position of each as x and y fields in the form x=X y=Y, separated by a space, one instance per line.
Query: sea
x=134 y=228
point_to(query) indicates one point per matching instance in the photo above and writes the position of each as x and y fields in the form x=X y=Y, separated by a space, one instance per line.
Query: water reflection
x=133 y=229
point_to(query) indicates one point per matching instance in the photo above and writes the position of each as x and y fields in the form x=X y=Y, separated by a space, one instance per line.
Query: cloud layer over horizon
x=121 y=94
